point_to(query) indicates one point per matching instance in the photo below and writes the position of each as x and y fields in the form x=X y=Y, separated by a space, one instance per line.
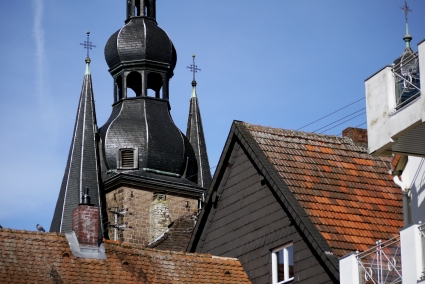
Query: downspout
x=407 y=218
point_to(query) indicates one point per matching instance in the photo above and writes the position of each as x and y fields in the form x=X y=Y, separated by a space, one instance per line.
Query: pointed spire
x=195 y=134
x=81 y=170
x=407 y=38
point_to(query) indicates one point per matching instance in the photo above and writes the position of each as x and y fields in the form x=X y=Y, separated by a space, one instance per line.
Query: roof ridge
x=250 y=126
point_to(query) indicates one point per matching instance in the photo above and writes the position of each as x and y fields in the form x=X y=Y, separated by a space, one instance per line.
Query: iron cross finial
x=88 y=44
x=406 y=10
x=193 y=67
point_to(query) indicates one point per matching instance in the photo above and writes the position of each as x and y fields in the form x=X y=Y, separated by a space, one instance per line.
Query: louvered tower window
x=127 y=159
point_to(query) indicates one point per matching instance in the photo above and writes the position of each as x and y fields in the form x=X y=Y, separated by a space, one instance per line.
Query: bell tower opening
x=155 y=83
x=134 y=83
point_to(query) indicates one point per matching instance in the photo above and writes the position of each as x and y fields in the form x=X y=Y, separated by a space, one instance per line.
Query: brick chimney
x=85 y=222
x=358 y=135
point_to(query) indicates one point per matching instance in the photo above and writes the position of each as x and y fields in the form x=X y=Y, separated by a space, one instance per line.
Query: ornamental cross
x=88 y=44
x=193 y=67
x=406 y=10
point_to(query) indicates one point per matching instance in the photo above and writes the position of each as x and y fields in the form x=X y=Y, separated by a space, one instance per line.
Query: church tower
x=148 y=166
x=141 y=170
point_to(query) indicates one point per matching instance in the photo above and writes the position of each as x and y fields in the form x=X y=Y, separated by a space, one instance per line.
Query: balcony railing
x=381 y=264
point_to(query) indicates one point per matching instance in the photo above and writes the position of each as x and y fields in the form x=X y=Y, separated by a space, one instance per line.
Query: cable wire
x=342 y=123
x=330 y=113
x=339 y=119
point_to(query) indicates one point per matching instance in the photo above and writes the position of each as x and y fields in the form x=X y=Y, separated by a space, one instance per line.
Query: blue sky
x=276 y=63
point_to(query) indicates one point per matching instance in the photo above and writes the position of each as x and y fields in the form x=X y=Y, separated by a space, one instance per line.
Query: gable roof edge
x=285 y=196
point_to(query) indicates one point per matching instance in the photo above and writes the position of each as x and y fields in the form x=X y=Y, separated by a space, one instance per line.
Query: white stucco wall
x=411 y=254
x=414 y=176
x=349 y=270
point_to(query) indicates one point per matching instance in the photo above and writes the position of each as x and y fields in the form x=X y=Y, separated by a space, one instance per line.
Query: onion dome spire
x=81 y=170
x=195 y=133
x=407 y=37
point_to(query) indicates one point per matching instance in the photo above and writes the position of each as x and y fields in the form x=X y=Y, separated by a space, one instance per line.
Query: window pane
x=280 y=271
x=290 y=261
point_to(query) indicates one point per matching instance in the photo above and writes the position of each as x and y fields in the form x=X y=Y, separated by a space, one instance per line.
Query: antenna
x=119 y=212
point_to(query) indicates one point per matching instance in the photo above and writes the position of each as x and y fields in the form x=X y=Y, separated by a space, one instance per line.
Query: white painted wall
x=414 y=177
x=411 y=256
x=383 y=123
x=349 y=269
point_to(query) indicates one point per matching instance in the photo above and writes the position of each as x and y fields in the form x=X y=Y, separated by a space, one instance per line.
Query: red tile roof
x=347 y=193
x=30 y=257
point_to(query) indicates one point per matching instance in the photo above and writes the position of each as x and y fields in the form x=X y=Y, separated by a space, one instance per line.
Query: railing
x=406 y=75
x=381 y=264
x=422 y=232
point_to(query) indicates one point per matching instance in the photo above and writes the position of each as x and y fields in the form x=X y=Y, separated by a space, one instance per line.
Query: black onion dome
x=145 y=124
x=140 y=39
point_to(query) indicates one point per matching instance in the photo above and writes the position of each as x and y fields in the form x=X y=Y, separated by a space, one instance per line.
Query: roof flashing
x=84 y=251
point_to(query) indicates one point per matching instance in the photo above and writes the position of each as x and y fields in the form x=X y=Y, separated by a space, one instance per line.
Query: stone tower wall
x=139 y=201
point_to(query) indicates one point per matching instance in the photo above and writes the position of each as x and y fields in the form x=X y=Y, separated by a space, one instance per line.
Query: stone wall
x=139 y=201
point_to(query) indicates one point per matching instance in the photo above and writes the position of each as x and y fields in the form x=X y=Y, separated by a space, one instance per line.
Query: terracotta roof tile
x=30 y=257
x=348 y=194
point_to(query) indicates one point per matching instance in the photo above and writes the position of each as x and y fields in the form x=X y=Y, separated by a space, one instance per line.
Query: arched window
x=134 y=82
x=155 y=83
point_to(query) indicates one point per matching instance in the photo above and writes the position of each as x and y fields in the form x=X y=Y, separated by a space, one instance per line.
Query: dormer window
x=128 y=158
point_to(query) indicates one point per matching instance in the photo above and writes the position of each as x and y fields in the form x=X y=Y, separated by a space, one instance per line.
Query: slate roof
x=32 y=257
x=195 y=134
x=82 y=166
x=340 y=198
x=178 y=235
x=347 y=193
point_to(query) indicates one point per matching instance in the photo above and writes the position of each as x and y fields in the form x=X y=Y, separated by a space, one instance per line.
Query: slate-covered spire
x=82 y=167
x=195 y=134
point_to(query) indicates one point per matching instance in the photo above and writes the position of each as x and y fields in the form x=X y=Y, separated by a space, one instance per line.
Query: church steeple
x=195 y=133
x=82 y=166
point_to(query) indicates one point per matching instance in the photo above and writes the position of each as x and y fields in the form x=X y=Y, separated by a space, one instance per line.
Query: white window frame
x=285 y=261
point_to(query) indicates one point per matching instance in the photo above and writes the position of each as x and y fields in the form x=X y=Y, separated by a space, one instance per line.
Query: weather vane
x=88 y=44
x=406 y=10
x=193 y=67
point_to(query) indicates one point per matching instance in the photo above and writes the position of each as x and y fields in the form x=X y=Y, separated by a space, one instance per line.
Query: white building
x=396 y=126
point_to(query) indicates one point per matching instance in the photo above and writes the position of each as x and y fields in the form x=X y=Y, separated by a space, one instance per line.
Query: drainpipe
x=407 y=218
